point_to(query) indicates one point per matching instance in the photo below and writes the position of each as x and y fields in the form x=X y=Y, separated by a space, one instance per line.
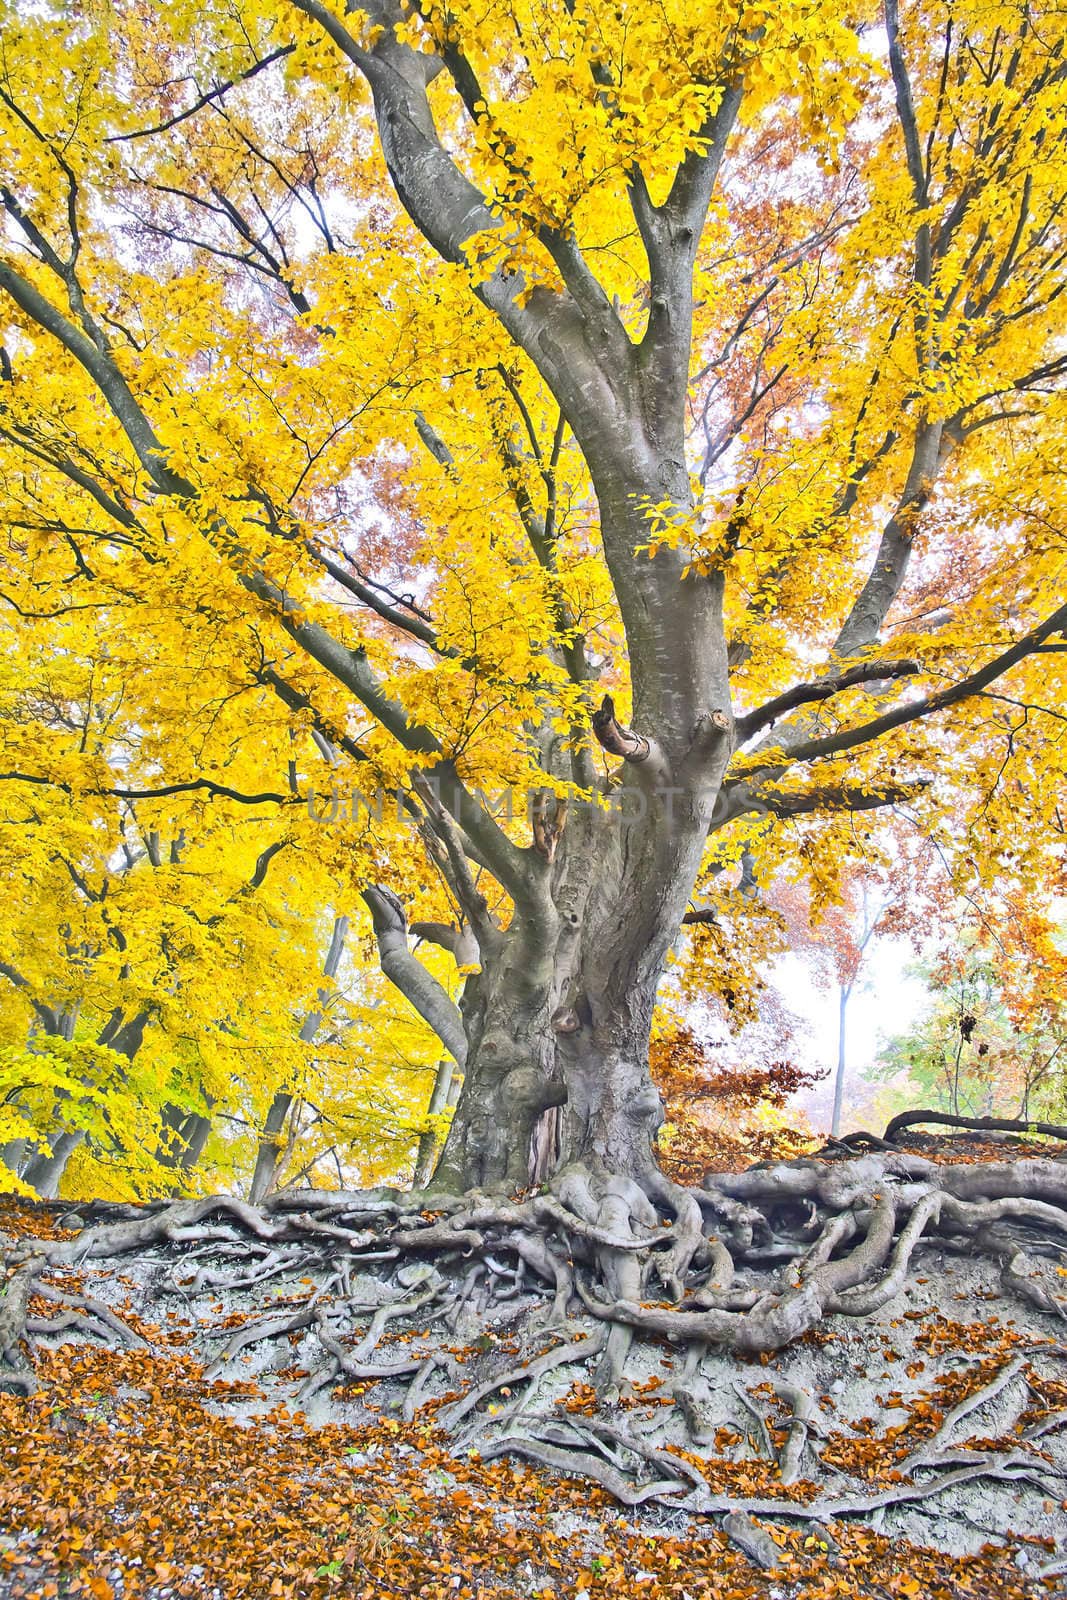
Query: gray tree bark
x=440 y=1097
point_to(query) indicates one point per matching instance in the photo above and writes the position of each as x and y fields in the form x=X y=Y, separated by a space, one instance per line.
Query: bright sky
x=885 y=1002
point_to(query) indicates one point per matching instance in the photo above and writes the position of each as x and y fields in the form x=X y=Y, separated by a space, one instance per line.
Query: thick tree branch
x=671 y=236
x=262 y=867
x=313 y=1021
x=838 y=797
x=295 y=701
x=821 y=689
x=906 y=109
x=410 y=976
x=575 y=339
x=48 y=1016
x=911 y=711
x=540 y=530
x=933 y=441
x=509 y=863
x=459 y=942
x=930 y=450
x=102 y=369
x=451 y=849
x=39 y=450
x=740 y=798
x=408 y=622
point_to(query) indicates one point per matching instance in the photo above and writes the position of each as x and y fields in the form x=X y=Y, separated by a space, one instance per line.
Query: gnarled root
x=16 y=1373
x=751 y=1264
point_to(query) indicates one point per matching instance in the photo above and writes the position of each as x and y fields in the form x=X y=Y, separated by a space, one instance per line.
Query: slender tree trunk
x=267 y=1156
x=954 y=1098
x=844 y=995
x=195 y=1132
x=428 y=1145
x=269 y=1147
x=185 y=1134
x=45 y=1172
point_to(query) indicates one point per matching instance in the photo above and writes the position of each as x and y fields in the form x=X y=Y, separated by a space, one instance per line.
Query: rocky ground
x=190 y=1436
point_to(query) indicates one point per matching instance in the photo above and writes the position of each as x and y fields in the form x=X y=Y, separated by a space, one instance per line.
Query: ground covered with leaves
x=206 y=1419
x=122 y=1478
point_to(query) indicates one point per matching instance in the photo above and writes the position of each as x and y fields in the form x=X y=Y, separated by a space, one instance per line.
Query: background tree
x=993 y=1037
x=156 y=953
x=722 y=1117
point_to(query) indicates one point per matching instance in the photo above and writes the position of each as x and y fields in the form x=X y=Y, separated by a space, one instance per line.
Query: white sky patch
x=886 y=1001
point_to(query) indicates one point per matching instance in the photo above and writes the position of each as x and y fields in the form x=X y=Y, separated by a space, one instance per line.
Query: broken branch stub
x=616 y=739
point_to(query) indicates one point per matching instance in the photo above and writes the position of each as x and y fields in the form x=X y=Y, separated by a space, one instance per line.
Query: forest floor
x=170 y=1468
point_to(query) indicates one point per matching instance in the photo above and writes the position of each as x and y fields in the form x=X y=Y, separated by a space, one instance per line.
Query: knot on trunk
x=548 y=818
x=616 y=739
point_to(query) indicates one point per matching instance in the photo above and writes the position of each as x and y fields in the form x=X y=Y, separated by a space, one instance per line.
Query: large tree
x=650 y=411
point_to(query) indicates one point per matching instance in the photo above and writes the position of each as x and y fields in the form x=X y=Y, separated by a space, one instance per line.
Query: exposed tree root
x=944 y=1119
x=16 y=1373
x=748 y=1536
x=982 y=1397
x=758 y=1418
x=575 y=1465
x=749 y=1265
x=804 y=1421
x=83 y=1312
x=1033 y=1280
x=528 y=1372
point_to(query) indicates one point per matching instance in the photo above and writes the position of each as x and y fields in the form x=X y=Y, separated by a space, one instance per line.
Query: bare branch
x=397 y=618
x=822 y=689
x=205 y=99
x=192 y=786
x=911 y=711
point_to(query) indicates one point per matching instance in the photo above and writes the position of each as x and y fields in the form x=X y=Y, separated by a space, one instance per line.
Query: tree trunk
x=565 y=996
x=185 y=1133
x=13 y=1155
x=269 y=1147
x=565 y=1011
x=839 y=1076
x=195 y=1132
x=45 y=1172
x=426 y=1158
x=510 y=1081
